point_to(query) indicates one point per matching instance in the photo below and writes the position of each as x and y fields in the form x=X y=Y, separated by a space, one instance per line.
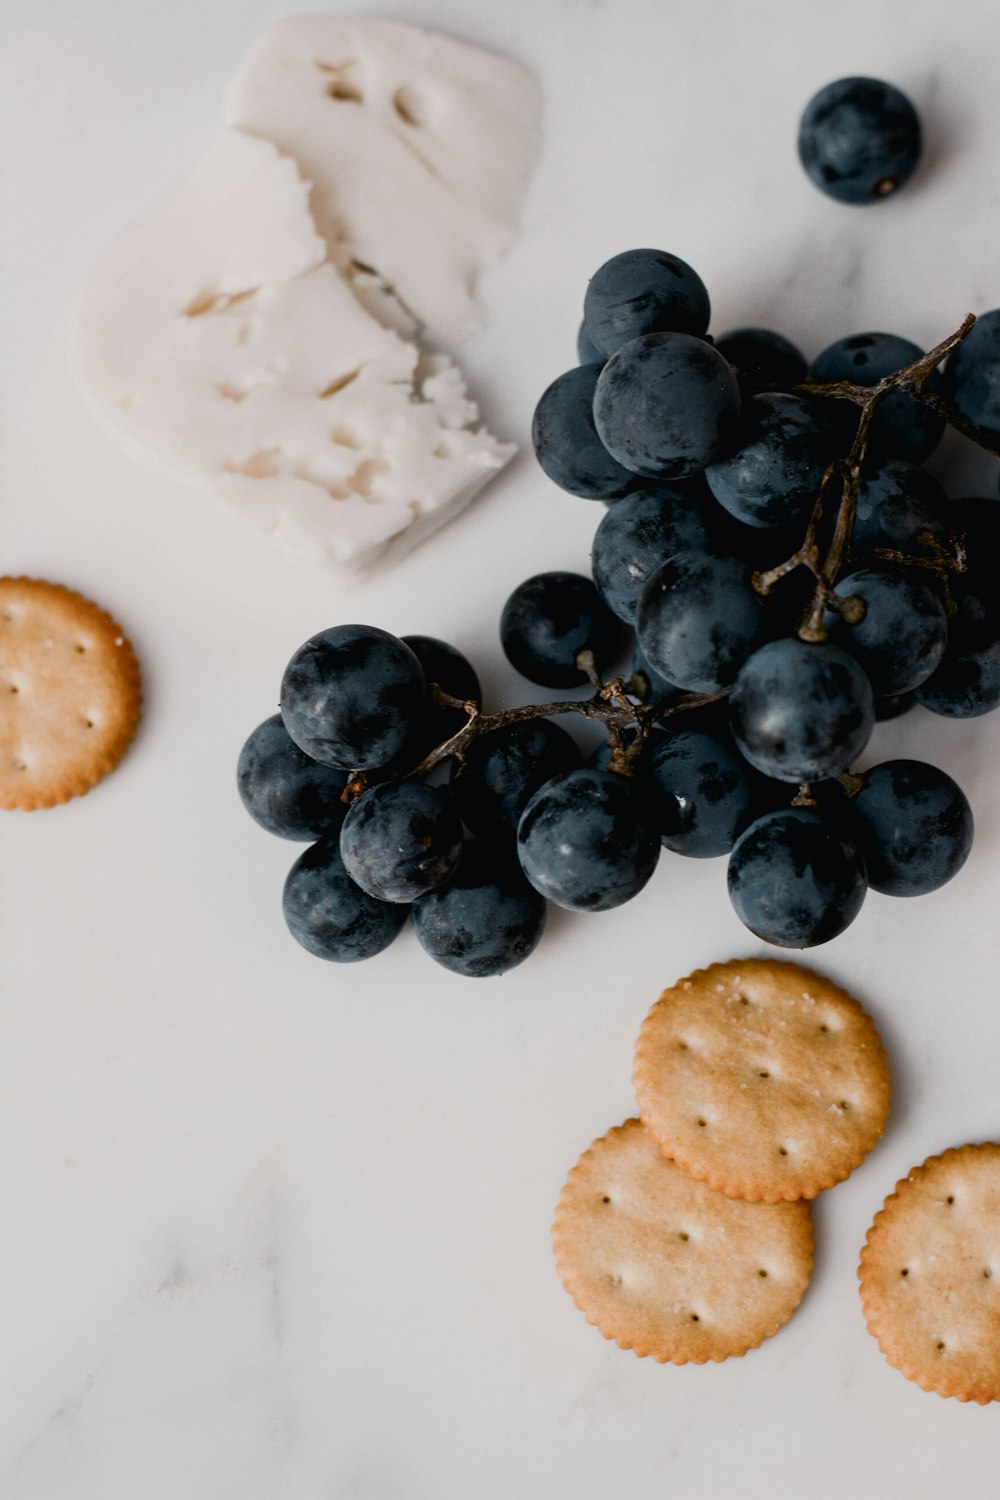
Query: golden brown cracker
x=663 y=1265
x=70 y=692
x=762 y=1079
x=930 y=1274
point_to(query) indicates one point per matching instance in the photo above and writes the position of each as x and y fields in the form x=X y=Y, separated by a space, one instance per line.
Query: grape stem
x=845 y=474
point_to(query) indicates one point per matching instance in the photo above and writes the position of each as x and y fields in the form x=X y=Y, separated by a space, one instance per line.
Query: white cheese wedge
x=419 y=149
x=218 y=338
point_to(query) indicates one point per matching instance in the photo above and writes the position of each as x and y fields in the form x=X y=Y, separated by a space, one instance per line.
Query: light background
x=278 y=1230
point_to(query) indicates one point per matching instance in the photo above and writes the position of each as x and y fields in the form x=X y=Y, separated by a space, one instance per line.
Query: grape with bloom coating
x=902 y=633
x=764 y=357
x=901 y=427
x=330 y=915
x=972 y=375
x=285 y=790
x=666 y=405
x=914 y=827
x=401 y=839
x=796 y=879
x=801 y=710
x=700 y=791
x=566 y=443
x=548 y=620
x=698 y=620
x=504 y=769
x=637 y=535
x=585 y=843
x=778 y=460
x=859 y=140
x=350 y=695
x=640 y=292
x=486 y=919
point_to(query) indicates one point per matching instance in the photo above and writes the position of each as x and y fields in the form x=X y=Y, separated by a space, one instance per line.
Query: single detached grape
x=901 y=427
x=285 y=790
x=901 y=636
x=450 y=670
x=331 y=916
x=796 y=879
x=972 y=374
x=640 y=292
x=764 y=357
x=505 y=768
x=899 y=506
x=637 y=535
x=700 y=792
x=350 y=695
x=859 y=140
x=967 y=682
x=586 y=350
x=781 y=452
x=585 y=843
x=548 y=620
x=566 y=442
x=400 y=840
x=801 y=711
x=486 y=919
x=914 y=827
x=666 y=405
x=698 y=620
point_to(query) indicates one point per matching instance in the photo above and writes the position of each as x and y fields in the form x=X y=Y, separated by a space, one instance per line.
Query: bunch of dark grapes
x=753 y=664
x=713 y=459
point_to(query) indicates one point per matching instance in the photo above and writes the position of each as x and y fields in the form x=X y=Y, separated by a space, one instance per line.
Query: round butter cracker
x=762 y=1079
x=70 y=690
x=662 y=1265
x=930 y=1274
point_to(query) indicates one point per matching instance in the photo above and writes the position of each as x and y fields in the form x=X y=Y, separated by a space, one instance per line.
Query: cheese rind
x=218 y=338
x=418 y=147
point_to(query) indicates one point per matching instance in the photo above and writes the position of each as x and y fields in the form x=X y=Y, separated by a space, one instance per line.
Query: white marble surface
x=277 y=1230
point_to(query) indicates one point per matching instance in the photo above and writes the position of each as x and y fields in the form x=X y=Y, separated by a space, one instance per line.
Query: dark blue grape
x=587 y=351
x=285 y=790
x=901 y=427
x=766 y=358
x=972 y=374
x=400 y=840
x=893 y=706
x=448 y=668
x=914 y=827
x=585 y=843
x=801 y=711
x=331 y=916
x=902 y=634
x=505 y=768
x=899 y=506
x=640 y=292
x=666 y=405
x=566 y=442
x=781 y=452
x=637 y=536
x=967 y=682
x=698 y=620
x=486 y=920
x=796 y=879
x=700 y=790
x=859 y=140
x=350 y=696
x=548 y=620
